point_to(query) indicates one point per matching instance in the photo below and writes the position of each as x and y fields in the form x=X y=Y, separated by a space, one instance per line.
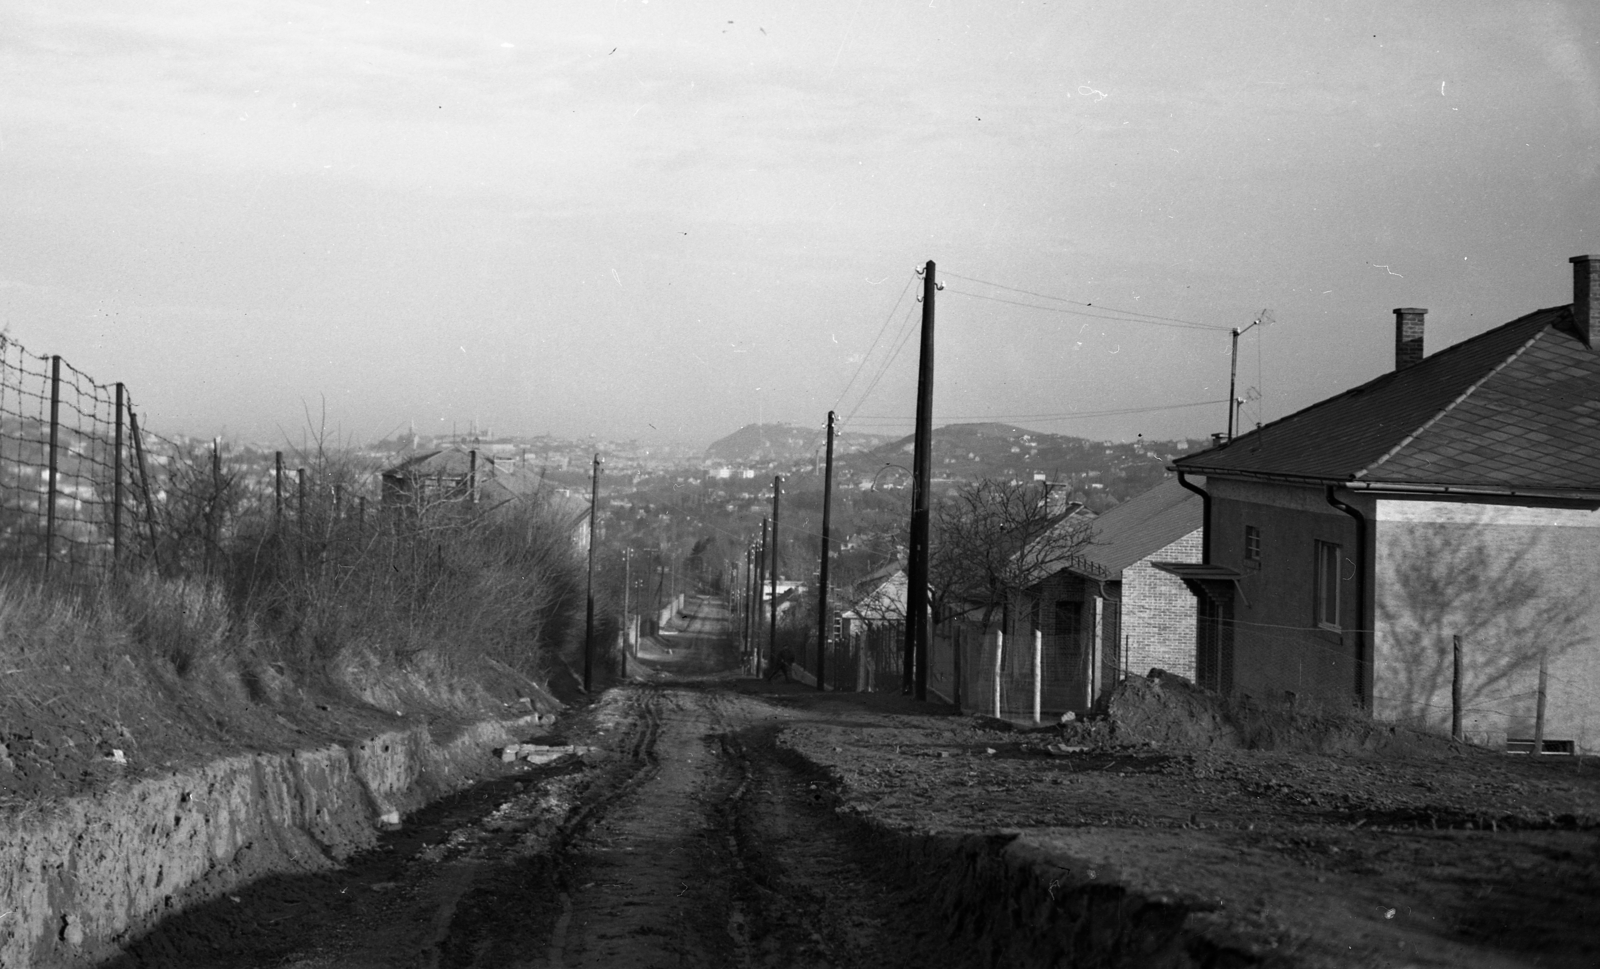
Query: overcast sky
x=662 y=219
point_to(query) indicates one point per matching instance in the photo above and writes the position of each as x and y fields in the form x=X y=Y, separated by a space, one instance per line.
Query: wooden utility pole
x=744 y=603
x=761 y=580
x=822 y=578
x=777 y=494
x=915 y=674
x=594 y=540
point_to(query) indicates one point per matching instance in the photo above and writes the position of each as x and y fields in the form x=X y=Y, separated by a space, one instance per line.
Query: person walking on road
x=781 y=664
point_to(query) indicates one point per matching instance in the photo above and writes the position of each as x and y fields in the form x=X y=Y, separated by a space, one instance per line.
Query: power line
x=1093 y=316
x=1193 y=324
x=881 y=330
x=1065 y=415
x=903 y=337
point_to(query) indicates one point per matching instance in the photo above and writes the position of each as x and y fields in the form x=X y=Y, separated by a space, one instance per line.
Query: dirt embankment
x=80 y=876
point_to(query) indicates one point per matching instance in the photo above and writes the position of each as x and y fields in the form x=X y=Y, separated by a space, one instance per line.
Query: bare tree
x=994 y=538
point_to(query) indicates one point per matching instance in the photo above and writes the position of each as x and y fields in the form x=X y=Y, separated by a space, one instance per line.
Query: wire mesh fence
x=86 y=490
x=61 y=473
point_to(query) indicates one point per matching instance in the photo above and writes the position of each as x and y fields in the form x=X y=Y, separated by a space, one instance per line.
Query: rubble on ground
x=539 y=754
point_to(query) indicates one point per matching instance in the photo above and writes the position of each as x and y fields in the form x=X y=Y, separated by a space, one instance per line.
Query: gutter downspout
x=1205 y=516
x=1364 y=632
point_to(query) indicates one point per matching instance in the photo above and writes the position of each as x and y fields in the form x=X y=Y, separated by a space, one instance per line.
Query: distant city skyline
x=661 y=221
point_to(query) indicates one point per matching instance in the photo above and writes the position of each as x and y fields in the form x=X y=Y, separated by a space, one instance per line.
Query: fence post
x=50 y=460
x=1038 y=672
x=144 y=485
x=1538 y=712
x=214 y=508
x=1455 y=687
x=957 y=687
x=300 y=497
x=116 y=487
x=999 y=651
x=277 y=487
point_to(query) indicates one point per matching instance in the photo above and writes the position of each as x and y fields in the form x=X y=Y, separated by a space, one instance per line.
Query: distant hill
x=1103 y=472
x=784 y=444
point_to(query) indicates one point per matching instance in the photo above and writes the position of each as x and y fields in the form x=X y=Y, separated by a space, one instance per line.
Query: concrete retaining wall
x=79 y=877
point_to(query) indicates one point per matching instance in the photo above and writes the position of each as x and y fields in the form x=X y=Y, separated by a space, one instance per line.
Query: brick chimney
x=1586 y=298
x=1407 y=336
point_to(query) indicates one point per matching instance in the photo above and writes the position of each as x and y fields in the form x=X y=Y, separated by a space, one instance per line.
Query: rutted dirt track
x=693 y=843
x=729 y=823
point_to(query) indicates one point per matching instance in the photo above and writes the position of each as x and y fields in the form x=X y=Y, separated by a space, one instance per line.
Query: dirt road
x=691 y=844
x=732 y=822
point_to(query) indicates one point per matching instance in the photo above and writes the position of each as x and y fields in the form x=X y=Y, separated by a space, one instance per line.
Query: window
x=1252 y=544
x=1327 y=585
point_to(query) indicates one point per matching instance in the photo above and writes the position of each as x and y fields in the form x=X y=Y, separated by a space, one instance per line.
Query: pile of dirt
x=1168 y=710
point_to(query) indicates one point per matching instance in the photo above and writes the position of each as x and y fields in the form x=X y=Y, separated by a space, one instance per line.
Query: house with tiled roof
x=1444 y=516
x=871 y=632
x=1108 y=610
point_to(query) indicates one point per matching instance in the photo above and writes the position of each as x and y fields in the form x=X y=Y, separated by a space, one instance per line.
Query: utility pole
x=627 y=578
x=822 y=579
x=594 y=540
x=1233 y=372
x=777 y=492
x=761 y=585
x=744 y=604
x=915 y=674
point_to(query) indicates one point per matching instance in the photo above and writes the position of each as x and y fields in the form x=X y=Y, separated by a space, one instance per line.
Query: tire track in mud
x=821 y=892
x=636 y=891
x=694 y=842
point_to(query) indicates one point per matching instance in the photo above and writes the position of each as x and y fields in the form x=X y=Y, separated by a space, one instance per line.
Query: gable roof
x=1515 y=410
x=445 y=462
x=1144 y=525
x=880 y=597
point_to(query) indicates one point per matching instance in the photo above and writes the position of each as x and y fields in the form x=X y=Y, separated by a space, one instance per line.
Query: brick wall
x=1159 y=612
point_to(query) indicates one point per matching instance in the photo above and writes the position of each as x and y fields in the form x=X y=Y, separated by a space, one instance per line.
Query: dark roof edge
x=1574 y=496
x=1414 y=489
x=1299 y=479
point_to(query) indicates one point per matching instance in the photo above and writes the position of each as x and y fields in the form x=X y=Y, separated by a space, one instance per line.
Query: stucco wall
x=1278 y=647
x=1158 y=611
x=1512 y=582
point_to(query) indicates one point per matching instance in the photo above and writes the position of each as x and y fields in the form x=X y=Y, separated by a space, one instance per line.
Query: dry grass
x=440 y=610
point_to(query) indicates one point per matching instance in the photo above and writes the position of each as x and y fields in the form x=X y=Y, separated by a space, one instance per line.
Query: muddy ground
x=737 y=823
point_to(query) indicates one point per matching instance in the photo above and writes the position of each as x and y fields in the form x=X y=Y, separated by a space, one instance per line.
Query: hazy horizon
x=661 y=221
